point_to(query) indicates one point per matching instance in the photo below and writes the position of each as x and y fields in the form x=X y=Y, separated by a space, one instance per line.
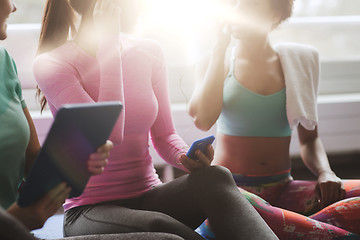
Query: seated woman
x=257 y=94
x=18 y=148
x=101 y=64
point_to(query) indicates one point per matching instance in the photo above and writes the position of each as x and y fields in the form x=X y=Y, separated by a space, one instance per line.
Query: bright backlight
x=182 y=24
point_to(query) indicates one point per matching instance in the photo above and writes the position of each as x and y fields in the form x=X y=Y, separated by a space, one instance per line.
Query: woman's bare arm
x=34 y=146
x=330 y=188
x=206 y=102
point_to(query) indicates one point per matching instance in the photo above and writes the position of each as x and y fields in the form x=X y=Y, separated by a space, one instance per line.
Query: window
x=183 y=29
x=29 y=11
x=329 y=25
x=310 y=8
x=332 y=27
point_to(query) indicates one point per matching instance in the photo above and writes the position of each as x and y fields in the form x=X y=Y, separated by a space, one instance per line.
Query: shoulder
x=149 y=49
x=64 y=53
x=302 y=57
x=147 y=44
x=8 y=73
x=296 y=50
x=5 y=56
x=7 y=63
x=300 y=60
x=3 y=52
x=58 y=60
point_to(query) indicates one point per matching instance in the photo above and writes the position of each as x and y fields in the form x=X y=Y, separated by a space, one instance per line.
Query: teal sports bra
x=249 y=114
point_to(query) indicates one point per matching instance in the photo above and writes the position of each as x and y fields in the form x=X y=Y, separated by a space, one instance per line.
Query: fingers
x=337 y=189
x=203 y=160
x=58 y=201
x=323 y=195
x=342 y=192
x=40 y=211
x=59 y=194
x=210 y=152
x=97 y=163
x=99 y=160
x=107 y=147
x=51 y=202
x=56 y=204
x=331 y=192
x=334 y=192
x=53 y=193
x=99 y=156
x=97 y=167
x=189 y=163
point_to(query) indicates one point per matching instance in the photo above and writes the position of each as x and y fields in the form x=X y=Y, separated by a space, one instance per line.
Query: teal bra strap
x=232 y=63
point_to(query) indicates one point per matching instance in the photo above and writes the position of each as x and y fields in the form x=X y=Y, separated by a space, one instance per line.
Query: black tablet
x=77 y=131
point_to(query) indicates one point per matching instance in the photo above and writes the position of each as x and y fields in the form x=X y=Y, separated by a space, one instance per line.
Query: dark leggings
x=177 y=207
x=12 y=229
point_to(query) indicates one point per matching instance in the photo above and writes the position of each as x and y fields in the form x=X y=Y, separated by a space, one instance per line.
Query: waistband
x=256 y=180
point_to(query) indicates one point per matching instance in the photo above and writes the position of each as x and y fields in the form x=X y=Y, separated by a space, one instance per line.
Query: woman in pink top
x=98 y=65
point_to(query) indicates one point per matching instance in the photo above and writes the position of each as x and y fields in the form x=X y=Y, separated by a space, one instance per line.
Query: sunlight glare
x=185 y=22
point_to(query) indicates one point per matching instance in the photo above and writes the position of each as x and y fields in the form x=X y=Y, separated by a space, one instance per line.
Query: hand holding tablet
x=78 y=130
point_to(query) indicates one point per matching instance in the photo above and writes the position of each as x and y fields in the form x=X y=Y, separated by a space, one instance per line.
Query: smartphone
x=199 y=145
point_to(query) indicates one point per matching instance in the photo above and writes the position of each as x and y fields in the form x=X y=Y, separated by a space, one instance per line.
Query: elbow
x=201 y=121
x=203 y=124
x=192 y=109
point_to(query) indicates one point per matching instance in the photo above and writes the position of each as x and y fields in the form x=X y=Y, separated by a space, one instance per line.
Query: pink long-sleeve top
x=137 y=77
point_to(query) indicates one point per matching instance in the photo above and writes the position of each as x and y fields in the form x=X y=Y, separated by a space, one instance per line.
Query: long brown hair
x=58 y=20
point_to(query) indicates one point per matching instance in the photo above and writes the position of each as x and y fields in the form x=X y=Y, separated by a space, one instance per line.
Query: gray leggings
x=11 y=229
x=178 y=208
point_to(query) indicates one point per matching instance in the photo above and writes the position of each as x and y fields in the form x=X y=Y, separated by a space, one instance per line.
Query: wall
x=339 y=113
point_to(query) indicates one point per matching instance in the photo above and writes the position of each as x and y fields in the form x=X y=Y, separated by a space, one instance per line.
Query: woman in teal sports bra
x=256 y=94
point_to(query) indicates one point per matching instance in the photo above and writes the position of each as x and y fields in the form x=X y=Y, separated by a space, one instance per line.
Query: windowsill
x=351 y=19
x=182 y=107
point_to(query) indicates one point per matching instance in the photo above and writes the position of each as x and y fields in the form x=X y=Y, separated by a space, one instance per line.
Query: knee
x=213 y=175
x=219 y=173
x=162 y=223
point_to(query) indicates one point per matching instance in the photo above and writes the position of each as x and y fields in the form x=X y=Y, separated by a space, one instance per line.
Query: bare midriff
x=252 y=155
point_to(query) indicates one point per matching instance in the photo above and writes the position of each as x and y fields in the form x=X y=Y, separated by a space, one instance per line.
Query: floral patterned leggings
x=288 y=202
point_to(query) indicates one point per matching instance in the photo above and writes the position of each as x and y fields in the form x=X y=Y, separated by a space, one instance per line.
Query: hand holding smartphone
x=201 y=145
